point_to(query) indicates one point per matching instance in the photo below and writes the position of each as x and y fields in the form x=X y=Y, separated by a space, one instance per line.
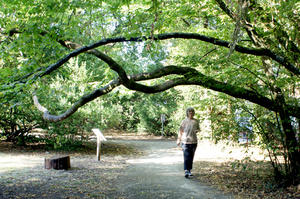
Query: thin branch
x=254 y=36
x=186 y=22
x=212 y=50
x=248 y=27
x=251 y=72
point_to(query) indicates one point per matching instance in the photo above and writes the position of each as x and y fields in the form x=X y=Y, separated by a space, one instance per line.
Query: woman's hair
x=188 y=110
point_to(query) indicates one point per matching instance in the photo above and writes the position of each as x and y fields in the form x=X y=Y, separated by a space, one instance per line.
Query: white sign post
x=100 y=137
x=162 y=119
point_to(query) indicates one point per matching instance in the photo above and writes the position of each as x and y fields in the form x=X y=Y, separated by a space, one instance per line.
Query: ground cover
x=223 y=167
x=241 y=170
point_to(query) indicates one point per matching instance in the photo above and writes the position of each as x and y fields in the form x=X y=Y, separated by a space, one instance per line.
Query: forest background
x=122 y=64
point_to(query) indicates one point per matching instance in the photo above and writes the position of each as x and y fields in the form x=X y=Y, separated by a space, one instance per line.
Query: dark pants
x=188 y=155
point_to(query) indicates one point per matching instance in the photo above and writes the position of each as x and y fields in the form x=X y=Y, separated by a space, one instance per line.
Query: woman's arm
x=179 y=136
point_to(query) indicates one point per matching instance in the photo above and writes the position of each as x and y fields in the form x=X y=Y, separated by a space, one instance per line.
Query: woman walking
x=188 y=139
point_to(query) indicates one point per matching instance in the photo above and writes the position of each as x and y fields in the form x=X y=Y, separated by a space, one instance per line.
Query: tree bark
x=58 y=163
x=291 y=143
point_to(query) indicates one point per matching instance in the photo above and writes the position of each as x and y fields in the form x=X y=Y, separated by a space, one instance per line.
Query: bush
x=16 y=123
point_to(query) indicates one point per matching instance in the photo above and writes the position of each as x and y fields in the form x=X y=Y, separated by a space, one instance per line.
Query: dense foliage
x=86 y=61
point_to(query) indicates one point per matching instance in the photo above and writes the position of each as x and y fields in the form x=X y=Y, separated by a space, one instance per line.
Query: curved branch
x=191 y=77
x=165 y=36
x=253 y=35
x=248 y=27
x=82 y=101
x=113 y=84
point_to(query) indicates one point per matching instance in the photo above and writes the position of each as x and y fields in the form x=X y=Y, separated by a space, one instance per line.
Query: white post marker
x=100 y=137
x=162 y=119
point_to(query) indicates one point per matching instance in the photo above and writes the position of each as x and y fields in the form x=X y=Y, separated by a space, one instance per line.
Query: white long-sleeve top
x=188 y=130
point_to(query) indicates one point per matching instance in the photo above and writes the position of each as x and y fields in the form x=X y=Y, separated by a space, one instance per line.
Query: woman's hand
x=178 y=142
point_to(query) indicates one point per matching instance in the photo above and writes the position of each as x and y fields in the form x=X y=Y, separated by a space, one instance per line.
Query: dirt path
x=156 y=174
x=159 y=174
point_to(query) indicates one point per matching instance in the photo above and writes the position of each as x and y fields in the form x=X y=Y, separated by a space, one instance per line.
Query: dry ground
x=22 y=174
x=244 y=171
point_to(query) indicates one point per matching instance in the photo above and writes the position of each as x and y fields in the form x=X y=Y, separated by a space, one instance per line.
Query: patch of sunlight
x=32 y=180
x=166 y=160
x=221 y=152
x=159 y=158
x=12 y=162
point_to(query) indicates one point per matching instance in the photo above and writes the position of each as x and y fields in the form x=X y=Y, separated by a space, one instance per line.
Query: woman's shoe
x=186 y=173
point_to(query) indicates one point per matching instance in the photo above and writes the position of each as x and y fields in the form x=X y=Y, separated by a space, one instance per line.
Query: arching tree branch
x=190 y=77
x=82 y=101
x=165 y=36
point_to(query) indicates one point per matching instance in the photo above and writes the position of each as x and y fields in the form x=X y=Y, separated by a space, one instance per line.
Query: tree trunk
x=62 y=162
x=291 y=142
x=292 y=148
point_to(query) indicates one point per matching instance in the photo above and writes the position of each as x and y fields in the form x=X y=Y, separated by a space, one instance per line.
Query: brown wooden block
x=60 y=162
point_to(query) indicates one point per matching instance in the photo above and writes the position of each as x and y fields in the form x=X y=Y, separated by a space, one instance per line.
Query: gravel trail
x=159 y=174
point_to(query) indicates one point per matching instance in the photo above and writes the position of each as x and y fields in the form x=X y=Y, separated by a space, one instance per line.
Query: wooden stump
x=61 y=162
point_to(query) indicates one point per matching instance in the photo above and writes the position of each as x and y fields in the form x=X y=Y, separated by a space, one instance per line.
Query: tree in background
x=246 y=49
